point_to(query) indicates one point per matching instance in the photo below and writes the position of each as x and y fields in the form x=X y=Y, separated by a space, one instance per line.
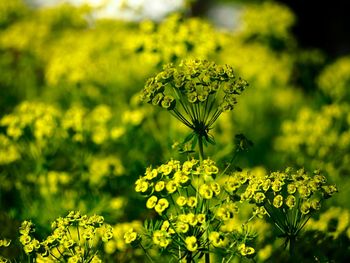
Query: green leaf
x=188 y=137
x=210 y=138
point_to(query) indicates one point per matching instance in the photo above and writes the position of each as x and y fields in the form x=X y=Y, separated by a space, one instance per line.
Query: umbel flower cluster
x=196 y=92
x=289 y=198
x=193 y=208
x=74 y=238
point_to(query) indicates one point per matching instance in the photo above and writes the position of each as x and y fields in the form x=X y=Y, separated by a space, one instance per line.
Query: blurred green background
x=74 y=136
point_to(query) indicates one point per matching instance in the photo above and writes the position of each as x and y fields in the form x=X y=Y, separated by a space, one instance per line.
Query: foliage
x=74 y=136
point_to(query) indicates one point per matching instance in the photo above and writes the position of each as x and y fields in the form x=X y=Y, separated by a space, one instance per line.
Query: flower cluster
x=36 y=119
x=74 y=238
x=8 y=151
x=176 y=37
x=197 y=81
x=192 y=206
x=103 y=168
x=196 y=92
x=267 y=22
x=289 y=198
x=334 y=80
x=42 y=122
x=119 y=246
x=318 y=139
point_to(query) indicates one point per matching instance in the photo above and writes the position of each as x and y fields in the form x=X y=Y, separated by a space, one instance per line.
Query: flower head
x=196 y=92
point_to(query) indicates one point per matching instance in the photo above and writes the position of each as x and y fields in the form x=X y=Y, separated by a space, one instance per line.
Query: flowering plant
x=193 y=210
x=288 y=198
x=192 y=199
x=196 y=92
x=74 y=238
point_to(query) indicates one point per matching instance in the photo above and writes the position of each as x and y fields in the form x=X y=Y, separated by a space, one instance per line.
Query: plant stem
x=200 y=145
x=292 y=247
x=147 y=255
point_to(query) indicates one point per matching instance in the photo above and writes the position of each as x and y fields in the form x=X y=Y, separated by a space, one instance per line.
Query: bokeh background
x=74 y=135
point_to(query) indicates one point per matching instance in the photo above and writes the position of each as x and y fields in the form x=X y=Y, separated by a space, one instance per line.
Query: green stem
x=147 y=255
x=201 y=158
x=292 y=247
x=189 y=258
x=200 y=145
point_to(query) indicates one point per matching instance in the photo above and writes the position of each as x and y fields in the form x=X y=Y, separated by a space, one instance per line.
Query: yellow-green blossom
x=161 y=205
x=191 y=243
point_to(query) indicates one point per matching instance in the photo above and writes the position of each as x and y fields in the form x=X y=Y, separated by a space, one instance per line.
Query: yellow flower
x=276 y=186
x=305 y=207
x=130 y=236
x=28 y=248
x=304 y=191
x=291 y=188
x=201 y=218
x=182 y=227
x=223 y=214
x=278 y=201
x=181 y=201
x=266 y=185
x=160 y=238
x=315 y=204
x=160 y=185
x=246 y=250
x=187 y=166
x=165 y=169
x=191 y=243
x=247 y=195
x=260 y=211
x=5 y=242
x=212 y=169
x=166 y=227
x=184 y=180
x=96 y=259
x=192 y=201
x=259 y=197
x=232 y=185
x=205 y=191
x=141 y=185
x=67 y=243
x=161 y=205
x=151 y=173
x=215 y=187
x=75 y=259
x=290 y=201
x=171 y=186
x=182 y=218
x=192 y=219
x=151 y=202
x=25 y=239
x=217 y=239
